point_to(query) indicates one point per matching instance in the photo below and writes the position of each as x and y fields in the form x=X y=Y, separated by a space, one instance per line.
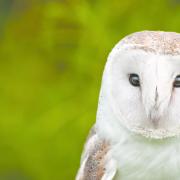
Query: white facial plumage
x=153 y=108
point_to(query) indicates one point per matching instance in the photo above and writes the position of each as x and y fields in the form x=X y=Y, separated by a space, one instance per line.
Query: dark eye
x=177 y=81
x=134 y=79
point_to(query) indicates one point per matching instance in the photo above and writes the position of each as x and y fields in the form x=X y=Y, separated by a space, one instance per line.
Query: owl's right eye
x=177 y=81
x=134 y=79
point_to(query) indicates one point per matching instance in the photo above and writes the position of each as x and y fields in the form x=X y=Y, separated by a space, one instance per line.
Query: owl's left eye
x=177 y=81
x=134 y=79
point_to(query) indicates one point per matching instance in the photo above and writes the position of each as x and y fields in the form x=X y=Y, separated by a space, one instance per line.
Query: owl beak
x=154 y=116
x=157 y=108
x=153 y=109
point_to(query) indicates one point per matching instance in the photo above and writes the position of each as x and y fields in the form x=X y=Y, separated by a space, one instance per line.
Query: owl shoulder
x=95 y=164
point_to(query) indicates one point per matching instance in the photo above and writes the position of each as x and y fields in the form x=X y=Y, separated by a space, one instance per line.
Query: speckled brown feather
x=154 y=41
x=95 y=164
x=94 y=167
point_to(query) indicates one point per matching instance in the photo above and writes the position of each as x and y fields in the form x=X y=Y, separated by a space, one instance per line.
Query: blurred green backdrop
x=52 y=54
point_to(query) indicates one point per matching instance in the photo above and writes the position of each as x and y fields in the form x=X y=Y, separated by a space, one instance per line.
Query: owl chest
x=142 y=161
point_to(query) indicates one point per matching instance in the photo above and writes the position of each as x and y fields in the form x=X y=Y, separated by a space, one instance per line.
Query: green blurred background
x=52 y=54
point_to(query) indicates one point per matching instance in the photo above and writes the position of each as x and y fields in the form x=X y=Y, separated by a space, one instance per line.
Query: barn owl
x=137 y=131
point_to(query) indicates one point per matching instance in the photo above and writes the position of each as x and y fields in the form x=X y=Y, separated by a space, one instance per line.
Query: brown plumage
x=94 y=167
x=154 y=41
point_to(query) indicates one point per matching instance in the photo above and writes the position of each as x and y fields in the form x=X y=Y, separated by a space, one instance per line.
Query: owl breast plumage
x=137 y=131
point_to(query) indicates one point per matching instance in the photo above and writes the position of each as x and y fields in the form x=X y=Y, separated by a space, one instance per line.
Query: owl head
x=141 y=84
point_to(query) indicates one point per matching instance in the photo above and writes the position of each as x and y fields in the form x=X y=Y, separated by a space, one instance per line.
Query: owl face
x=144 y=90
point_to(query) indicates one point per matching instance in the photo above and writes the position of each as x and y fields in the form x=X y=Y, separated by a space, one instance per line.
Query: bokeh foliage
x=52 y=55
